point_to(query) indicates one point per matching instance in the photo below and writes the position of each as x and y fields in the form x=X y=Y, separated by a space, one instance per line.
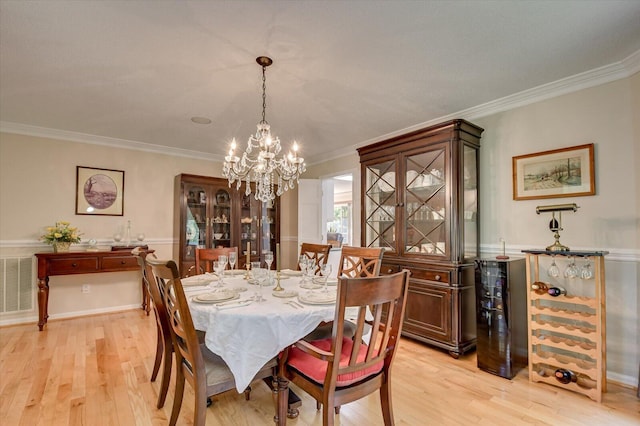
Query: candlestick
x=248 y=252
x=278 y=257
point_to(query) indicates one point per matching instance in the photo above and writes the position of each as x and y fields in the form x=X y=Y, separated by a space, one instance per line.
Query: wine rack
x=567 y=332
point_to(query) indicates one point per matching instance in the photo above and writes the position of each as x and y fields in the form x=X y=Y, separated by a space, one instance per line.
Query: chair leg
x=166 y=373
x=200 y=411
x=385 y=402
x=247 y=393
x=158 y=360
x=177 y=398
x=318 y=405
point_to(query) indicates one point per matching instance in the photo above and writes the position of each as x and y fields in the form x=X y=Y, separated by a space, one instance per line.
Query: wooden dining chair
x=205 y=371
x=208 y=256
x=317 y=252
x=164 y=345
x=360 y=261
x=338 y=370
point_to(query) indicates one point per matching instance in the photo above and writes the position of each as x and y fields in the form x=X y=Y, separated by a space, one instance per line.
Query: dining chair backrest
x=208 y=256
x=318 y=252
x=164 y=343
x=360 y=262
x=340 y=369
x=185 y=339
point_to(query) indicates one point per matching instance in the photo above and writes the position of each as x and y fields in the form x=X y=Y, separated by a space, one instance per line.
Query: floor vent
x=16 y=284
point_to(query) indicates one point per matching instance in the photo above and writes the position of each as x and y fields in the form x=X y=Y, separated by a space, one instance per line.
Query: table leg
x=43 y=302
x=282 y=390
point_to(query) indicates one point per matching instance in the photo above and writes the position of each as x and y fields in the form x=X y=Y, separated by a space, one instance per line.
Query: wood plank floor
x=95 y=371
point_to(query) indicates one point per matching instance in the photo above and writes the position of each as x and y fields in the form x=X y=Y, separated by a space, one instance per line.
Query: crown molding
x=44 y=132
x=592 y=78
x=608 y=73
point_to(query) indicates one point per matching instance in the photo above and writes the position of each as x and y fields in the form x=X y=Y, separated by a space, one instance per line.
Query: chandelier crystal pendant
x=259 y=163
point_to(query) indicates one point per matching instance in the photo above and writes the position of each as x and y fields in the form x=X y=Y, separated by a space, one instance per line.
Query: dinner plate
x=318 y=298
x=285 y=293
x=192 y=281
x=290 y=273
x=386 y=182
x=310 y=286
x=330 y=281
x=216 y=297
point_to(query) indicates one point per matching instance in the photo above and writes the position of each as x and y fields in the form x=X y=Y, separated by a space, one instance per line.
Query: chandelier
x=259 y=162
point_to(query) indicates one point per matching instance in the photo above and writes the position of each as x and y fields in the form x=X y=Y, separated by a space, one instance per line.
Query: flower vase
x=61 y=247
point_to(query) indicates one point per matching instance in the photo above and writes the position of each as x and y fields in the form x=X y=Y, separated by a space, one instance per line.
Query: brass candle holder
x=278 y=287
x=247 y=276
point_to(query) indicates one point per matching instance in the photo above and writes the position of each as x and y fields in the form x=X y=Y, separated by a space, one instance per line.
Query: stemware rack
x=568 y=332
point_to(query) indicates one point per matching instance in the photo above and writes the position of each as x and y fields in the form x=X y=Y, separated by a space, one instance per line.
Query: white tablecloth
x=247 y=337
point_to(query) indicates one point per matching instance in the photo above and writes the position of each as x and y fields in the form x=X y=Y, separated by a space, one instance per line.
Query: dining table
x=246 y=333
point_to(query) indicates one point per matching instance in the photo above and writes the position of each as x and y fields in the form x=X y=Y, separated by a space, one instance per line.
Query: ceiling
x=345 y=73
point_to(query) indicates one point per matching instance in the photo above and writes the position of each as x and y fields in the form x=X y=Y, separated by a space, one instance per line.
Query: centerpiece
x=61 y=236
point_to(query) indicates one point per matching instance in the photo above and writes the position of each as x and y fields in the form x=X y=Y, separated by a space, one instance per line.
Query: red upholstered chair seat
x=316 y=369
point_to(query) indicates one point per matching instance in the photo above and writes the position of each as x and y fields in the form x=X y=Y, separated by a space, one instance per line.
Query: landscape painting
x=566 y=172
x=99 y=191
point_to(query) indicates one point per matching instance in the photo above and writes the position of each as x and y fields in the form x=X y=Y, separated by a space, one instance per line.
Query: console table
x=81 y=263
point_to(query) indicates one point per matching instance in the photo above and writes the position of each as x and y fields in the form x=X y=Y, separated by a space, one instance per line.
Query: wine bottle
x=557 y=291
x=539 y=287
x=565 y=376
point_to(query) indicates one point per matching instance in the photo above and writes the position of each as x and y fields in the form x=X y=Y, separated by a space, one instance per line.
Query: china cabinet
x=420 y=203
x=208 y=213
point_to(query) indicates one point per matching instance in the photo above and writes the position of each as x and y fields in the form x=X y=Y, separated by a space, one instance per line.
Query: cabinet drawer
x=431 y=275
x=78 y=265
x=119 y=263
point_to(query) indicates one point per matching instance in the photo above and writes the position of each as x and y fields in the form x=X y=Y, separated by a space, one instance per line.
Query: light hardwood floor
x=95 y=371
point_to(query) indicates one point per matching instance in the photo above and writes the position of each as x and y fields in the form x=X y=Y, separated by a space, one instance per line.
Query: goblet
x=260 y=276
x=325 y=271
x=572 y=270
x=586 y=273
x=302 y=261
x=268 y=259
x=233 y=258
x=224 y=259
x=218 y=268
x=553 y=270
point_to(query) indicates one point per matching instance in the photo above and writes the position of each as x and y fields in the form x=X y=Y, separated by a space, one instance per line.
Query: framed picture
x=565 y=172
x=99 y=191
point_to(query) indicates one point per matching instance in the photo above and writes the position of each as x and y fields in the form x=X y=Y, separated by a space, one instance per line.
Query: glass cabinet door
x=470 y=187
x=221 y=219
x=425 y=204
x=249 y=225
x=268 y=231
x=380 y=205
x=196 y=223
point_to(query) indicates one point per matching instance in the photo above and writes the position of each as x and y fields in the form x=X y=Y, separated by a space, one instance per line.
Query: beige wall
x=37 y=187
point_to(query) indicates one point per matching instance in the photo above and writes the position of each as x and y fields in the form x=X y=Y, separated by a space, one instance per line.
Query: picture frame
x=564 y=172
x=99 y=191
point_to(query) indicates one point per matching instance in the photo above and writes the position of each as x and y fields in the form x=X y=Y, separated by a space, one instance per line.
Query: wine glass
x=572 y=270
x=553 y=270
x=325 y=271
x=302 y=261
x=586 y=273
x=268 y=259
x=233 y=258
x=311 y=268
x=218 y=268
x=224 y=260
x=260 y=275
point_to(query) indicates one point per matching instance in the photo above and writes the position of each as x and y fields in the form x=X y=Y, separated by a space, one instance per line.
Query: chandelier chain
x=264 y=95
